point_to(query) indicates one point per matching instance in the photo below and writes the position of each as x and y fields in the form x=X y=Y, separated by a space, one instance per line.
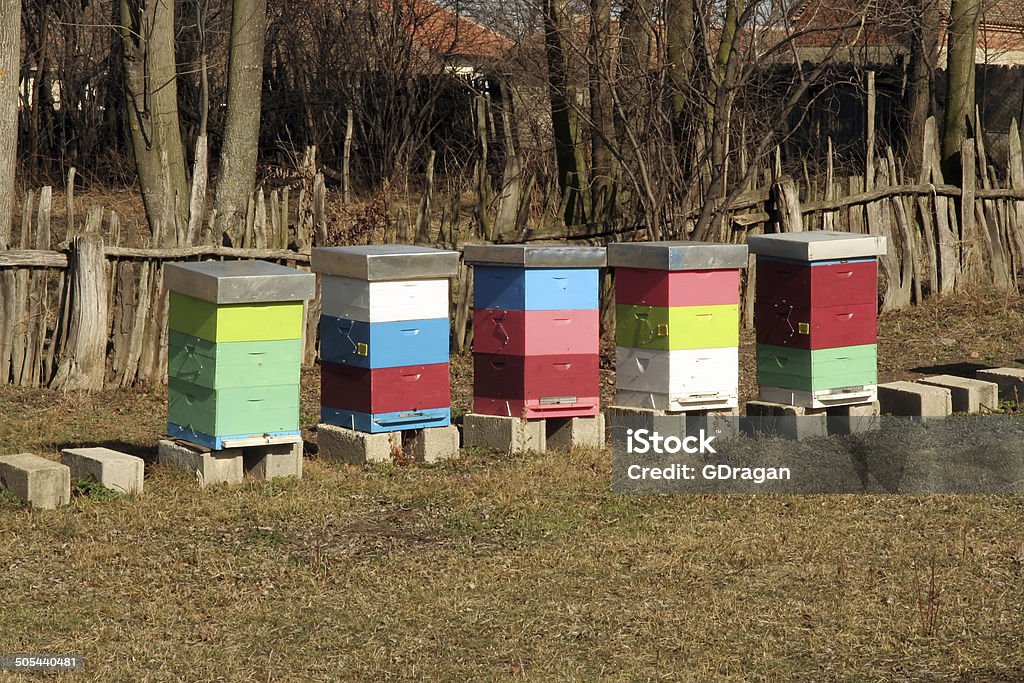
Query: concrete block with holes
x=502 y=433
x=225 y=466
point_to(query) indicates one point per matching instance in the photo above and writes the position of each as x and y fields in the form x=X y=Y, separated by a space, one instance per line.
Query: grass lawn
x=492 y=567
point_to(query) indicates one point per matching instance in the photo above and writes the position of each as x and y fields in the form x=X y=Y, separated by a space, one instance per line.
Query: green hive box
x=236 y=411
x=234 y=351
x=819 y=370
x=235 y=322
x=677 y=328
x=233 y=364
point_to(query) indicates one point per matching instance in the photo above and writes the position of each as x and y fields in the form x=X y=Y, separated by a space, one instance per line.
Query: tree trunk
x=680 y=30
x=962 y=41
x=237 y=172
x=151 y=108
x=564 y=118
x=602 y=133
x=10 y=70
x=924 y=54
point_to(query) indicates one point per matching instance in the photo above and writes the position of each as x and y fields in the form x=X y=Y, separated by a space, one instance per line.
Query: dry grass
x=495 y=567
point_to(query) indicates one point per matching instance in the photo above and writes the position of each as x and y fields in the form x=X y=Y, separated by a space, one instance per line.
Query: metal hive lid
x=378 y=262
x=817 y=245
x=239 y=282
x=682 y=255
x=534 y=256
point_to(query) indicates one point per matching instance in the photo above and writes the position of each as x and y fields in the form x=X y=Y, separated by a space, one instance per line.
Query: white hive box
x=700 y=379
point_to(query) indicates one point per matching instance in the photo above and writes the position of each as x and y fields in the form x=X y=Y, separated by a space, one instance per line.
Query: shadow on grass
x=962 y=369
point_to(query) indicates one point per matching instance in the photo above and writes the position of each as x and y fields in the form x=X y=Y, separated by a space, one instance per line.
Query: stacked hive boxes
x=536 y=330
x=235 y=351
x=384 y=336
x=677 y=324
x=816 y=317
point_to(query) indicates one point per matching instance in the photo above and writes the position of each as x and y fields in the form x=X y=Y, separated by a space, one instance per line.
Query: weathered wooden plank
x=970 y=255
x=21 y=313
x=137 y=331
x=275 y=223
x=312 y=323
x=69 y=205
x=303 y=221
x=785 y=208
x=83 y=363
x=39 y=301
x=319 y=211
x=869 y=167
x=170 y=253
x=285 y=194
x=909 y=249
x=1016 y=173
x=462 y=303
x=259 y=222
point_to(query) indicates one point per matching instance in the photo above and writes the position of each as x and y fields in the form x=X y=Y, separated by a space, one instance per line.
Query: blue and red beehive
x=384 y=336
x=816 y=317
x=536 y=330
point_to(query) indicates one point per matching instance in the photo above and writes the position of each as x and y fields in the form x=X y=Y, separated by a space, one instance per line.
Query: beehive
x=234 y=351
x=677 y=324
x=536 y=330
x=816 y=317
x=384 y=336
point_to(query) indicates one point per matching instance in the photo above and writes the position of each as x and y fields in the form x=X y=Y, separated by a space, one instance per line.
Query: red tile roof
x=445 y=32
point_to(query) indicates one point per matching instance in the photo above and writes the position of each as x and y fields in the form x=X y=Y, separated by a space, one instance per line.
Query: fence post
x=786 y=205
x=83 y=363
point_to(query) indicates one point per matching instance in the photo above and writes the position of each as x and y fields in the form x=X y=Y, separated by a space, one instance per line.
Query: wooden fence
x=88 y=308
x=88 y=312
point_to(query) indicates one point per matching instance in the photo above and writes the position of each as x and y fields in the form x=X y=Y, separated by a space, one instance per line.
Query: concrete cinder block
x=621 y=419
x=910 y=399
x=41 y=483
x=765 y=418
x=628 y=417
x=724 y=424
x=855 y=419
x=433 y=444
x=508 y=434
x=969 y=395
x=570 y=432
x=272 y=461
x=1010 y=381
x=342 y=444
x=117 y=471
x=209 y=467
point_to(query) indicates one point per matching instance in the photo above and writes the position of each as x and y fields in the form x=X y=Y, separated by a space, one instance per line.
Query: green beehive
x=677 y=328
x=235 y=351
x=818 y=370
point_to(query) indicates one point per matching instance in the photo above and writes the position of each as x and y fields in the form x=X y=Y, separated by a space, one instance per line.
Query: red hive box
x=536 y=333
x=536 y=386
x=384 y=390
x=816 y=328
x=805 y=286
x=649 y=287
